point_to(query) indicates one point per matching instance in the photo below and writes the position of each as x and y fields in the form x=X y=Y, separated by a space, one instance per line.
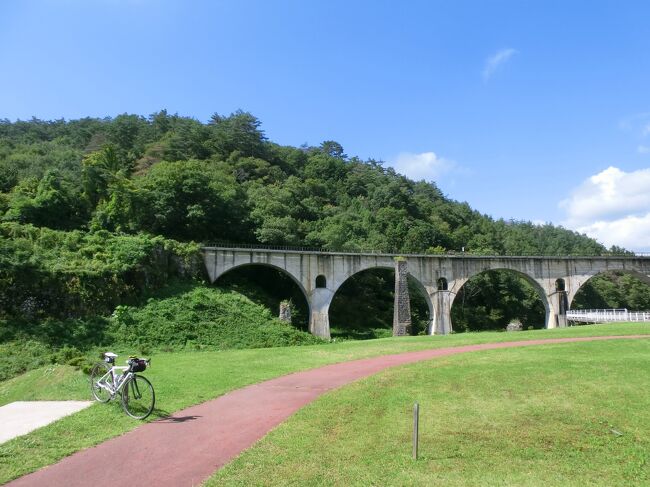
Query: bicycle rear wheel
x=100 y=393
x=138 y=397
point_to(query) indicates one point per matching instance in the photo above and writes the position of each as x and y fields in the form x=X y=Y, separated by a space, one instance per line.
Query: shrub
x=204 y=317
x=46 y=273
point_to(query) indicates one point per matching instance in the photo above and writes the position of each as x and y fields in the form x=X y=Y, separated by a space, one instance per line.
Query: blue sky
x=527 y=110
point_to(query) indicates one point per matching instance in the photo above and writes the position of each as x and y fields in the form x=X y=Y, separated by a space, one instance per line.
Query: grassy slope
x=570 y=414
x=186 y=378
x=183 y=315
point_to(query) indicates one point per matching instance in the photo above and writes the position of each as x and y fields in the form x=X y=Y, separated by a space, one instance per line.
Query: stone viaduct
x=439 y=277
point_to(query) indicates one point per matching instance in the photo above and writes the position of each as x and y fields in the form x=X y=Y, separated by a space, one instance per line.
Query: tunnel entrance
x=362 y=307
x=268 y=286
x=493 y=299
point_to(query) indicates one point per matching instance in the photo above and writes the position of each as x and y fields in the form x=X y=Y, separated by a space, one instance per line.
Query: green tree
x=192 y=200
x=333 y=149
x=100 y=169
x=129 y=134
x=51 y=202
x=121 y=210
x=238 y=132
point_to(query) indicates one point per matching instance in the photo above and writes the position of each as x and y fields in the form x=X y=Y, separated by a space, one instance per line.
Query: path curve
x=186 y=448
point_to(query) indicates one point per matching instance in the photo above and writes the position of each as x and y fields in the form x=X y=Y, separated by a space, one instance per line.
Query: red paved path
x=188 y=447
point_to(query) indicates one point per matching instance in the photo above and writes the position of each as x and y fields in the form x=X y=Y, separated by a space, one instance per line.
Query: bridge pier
x=441 y=324
x=402 y=303
x=319 y=304
x=558 y=306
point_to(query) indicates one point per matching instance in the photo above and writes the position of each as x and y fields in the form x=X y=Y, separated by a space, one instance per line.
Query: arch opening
x=492 y=299
x=614 y=290
x=321 y=281
x=269 y=286
x=442 y=284
x=362 y=307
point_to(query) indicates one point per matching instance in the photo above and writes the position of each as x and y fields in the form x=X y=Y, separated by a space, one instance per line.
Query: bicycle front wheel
x=138 y=397
x=99 y=384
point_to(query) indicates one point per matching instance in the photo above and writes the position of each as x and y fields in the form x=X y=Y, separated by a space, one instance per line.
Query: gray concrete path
x=21 y=417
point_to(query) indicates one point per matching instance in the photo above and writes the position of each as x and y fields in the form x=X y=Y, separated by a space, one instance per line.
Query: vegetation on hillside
x=201 y=317
x=179 y=178
x=101 y=213
x=65 y=293
x=48 y=273
x=181 y=316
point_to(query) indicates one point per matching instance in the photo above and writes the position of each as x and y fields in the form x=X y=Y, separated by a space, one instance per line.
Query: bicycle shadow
x=178 y=419
x=167 y=417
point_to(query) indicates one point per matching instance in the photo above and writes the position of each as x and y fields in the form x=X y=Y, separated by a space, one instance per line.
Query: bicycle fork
x=134 y=389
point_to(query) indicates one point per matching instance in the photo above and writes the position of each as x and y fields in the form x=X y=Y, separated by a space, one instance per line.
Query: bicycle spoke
x=101 y=382
x=138 y=398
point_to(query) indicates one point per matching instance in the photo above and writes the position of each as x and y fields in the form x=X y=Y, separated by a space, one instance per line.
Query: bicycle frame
x=119 y=379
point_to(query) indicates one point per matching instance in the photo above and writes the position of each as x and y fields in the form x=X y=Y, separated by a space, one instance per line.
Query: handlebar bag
x=137 y=365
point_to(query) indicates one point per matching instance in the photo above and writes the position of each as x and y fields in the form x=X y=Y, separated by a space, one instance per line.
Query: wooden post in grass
x=416 y=424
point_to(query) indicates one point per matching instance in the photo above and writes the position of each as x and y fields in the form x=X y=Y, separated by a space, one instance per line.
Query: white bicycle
x=108 y=379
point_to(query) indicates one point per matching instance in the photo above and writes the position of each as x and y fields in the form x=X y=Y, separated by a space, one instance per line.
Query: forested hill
x=182 y=179
x=100 y=221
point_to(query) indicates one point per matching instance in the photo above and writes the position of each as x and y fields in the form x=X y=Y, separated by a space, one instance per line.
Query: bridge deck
x=449 y=253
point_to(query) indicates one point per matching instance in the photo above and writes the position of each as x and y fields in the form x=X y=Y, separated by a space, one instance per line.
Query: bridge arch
x=250 y=265
x=537 y=286
x=422 y=290
x=271 y=266
x=587 y=280
x=339 y=284
x=421 y=301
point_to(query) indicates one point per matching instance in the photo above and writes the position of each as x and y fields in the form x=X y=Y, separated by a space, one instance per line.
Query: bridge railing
x=469 y=253
x=606 y=315
x=291 y=248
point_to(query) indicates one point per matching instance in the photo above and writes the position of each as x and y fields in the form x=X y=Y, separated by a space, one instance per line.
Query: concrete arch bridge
x=440 y=277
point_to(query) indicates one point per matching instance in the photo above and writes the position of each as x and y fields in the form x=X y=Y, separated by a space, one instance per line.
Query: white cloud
x=426 y=165
x=498 y=59
x=613 y=207
x=643 y=149
x=630 y=232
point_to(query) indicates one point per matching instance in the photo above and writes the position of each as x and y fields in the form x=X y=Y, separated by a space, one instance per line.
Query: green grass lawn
x=570 y=415
x=187 y=378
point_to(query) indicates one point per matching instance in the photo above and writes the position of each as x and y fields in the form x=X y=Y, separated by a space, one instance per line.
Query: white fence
x=606 y=315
